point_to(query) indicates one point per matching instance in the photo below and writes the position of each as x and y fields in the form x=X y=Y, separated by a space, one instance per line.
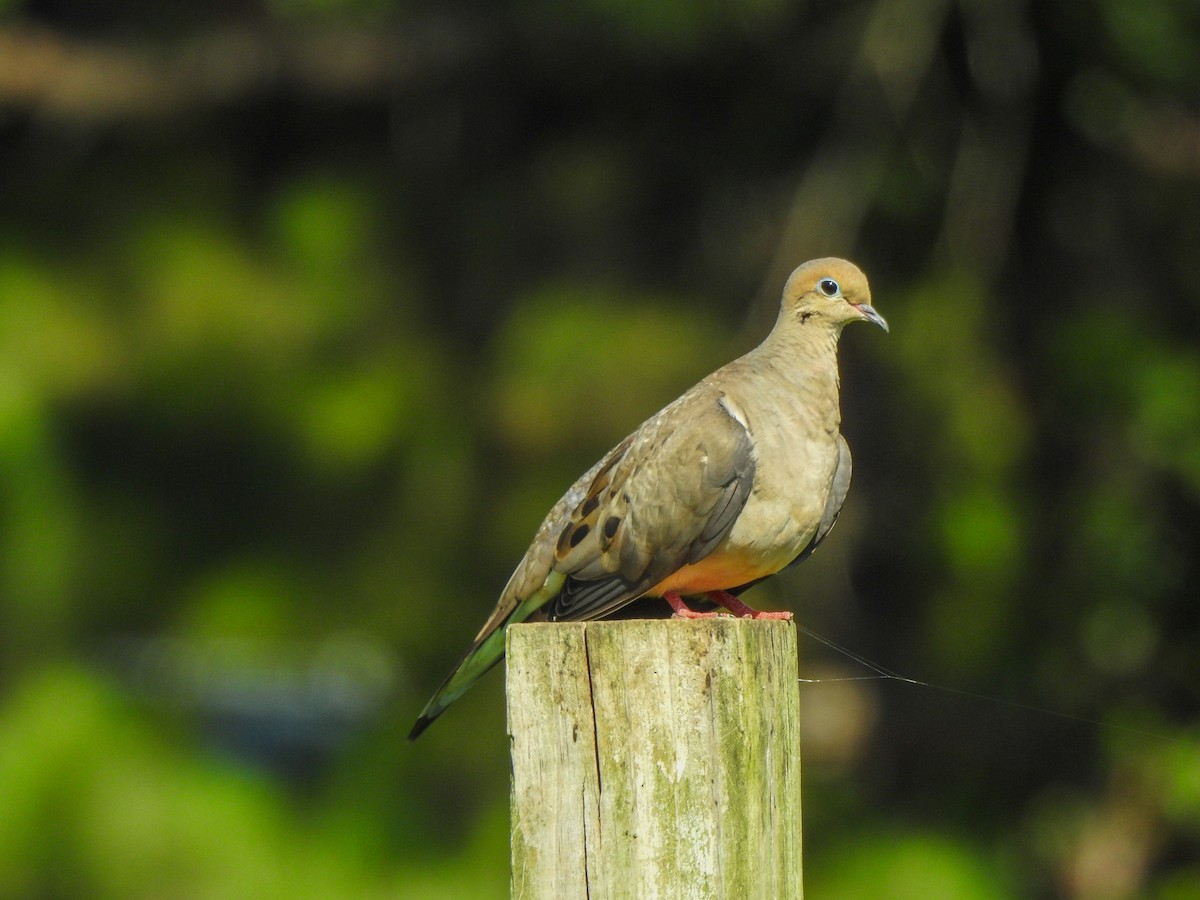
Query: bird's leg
x=682 y=610
x=740 y=609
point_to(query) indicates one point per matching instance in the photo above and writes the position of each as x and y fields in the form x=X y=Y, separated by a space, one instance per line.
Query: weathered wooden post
x=655 y=759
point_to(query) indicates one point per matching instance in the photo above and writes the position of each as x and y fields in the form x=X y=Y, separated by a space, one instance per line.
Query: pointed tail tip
x=421 y=724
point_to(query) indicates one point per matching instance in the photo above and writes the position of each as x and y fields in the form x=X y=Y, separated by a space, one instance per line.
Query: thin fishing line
x=883 y=674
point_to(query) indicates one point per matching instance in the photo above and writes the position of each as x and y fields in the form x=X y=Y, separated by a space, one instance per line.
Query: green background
x=309 y=310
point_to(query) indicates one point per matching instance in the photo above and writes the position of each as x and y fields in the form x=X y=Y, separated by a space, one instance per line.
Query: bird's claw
x=734 y=608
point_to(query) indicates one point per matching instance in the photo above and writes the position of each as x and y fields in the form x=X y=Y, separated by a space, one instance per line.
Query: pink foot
x=682 y=610
x=741 y=610
x=725 y=599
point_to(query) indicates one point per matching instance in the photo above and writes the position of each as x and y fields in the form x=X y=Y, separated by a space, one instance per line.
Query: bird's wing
x=665 y=499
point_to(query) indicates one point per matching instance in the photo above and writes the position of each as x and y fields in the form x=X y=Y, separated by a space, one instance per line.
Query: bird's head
x=830 y=292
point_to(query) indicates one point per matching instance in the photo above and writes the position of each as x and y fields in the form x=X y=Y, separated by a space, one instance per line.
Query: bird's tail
x=485 y=652
x=481 y=657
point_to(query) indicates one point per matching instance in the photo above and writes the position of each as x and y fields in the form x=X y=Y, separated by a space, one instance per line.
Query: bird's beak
x=868 y=313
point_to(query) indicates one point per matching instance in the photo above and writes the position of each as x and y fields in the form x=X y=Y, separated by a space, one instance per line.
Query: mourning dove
x=740 y=477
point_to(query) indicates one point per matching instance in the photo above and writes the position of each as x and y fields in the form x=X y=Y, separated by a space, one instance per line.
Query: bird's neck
x=804 y=351
x=804 y=359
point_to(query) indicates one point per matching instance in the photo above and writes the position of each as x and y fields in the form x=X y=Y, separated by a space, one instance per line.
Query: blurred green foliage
x=309 y=310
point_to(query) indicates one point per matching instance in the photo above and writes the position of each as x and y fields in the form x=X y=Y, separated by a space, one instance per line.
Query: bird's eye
x=828 y=287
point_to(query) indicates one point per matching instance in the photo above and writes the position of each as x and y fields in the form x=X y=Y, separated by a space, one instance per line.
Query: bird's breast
x=795 y=459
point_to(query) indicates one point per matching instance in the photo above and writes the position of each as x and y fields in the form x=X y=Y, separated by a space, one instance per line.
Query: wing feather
x=668 y=500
